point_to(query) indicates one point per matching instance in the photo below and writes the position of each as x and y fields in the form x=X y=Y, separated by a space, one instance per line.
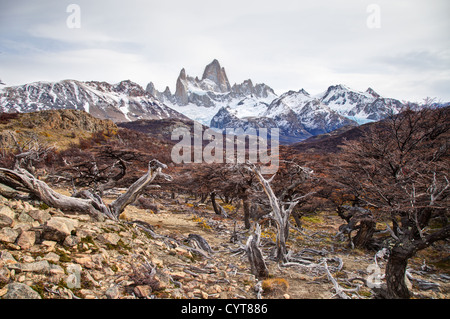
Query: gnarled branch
x=85 y=201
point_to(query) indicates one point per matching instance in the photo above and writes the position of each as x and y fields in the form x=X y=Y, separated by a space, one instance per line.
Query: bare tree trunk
x=280 y=213
x=255 y=257
x=398 y=260
x=154 y=169
x=219 y=210
x=21 y=179
x=365 y=233
x=282 y=237
x=246 y=205
x=395 y=273
x=297 y=217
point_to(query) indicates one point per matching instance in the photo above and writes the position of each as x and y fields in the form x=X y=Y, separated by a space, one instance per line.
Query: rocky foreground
x=48 y=254
x=156 y=253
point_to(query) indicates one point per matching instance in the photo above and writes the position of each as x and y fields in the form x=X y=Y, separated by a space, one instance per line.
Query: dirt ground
x=179 y=218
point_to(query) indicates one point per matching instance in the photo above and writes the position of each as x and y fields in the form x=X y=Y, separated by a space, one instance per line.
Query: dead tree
x=281 y=206
x=255 y=256
x=29 y=153
x=85 y=201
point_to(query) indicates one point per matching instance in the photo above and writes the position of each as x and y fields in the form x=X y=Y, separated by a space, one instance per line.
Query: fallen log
x=85 y=201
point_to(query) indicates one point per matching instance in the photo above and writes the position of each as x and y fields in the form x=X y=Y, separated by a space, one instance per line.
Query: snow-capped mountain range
x=125 y=101
x=210 y=100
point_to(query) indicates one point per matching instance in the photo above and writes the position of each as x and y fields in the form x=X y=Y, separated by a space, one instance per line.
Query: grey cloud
x=288 y=44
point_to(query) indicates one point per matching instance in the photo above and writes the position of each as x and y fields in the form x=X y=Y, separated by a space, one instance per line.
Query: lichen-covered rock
x=6 y=216
x=8 y=235
x=20 y=291
x=58 y=228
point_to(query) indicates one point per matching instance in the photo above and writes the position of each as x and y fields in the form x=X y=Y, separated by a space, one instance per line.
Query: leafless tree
x=400 y=171
x=281 y=205
x=29 y=153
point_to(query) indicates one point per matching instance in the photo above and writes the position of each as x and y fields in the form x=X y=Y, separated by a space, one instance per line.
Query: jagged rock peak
x=339 y=87
x=217 y=74
x=182 y=75
x=151 y=89
x=167 y=91
x=302 y=91
x=373 y=93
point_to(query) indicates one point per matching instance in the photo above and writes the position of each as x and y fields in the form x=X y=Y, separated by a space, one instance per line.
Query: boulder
x=112 y=292
x=142 y=291
x=6 y=216
x=40 y=216
x=58 y=228
x=20 y=291
x=8 y=235
x=40 y=267
x=27 y=239
x=109 y=238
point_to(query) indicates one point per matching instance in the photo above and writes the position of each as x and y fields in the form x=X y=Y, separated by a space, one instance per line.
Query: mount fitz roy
x=210 y=100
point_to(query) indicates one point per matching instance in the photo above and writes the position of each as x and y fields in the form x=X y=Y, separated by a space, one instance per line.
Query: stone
x=87 y=294
x=56 y=270
x=42 y=267
x=7 y=258
x=157 y=262
x=72 y=224
x=8 y=235
x=5 y=275
x=85 y=261
x=98 y=259
x=109 y=238
x=6 y=216
x=49 y=244
x=204 y=295
x=20 y=291
x=55 y=230
x=5 y=221
x=142 y=291
x=52 y=257
x=177 y=294
x=71 y=241
x=112 y=292
x=58 y=228
x=87 y=277
x=27 y=239
x=3 y=291
x=25 y=218
x=6 y=211
x=40 y=216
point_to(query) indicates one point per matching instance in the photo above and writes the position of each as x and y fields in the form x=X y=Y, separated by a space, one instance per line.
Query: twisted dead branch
x=85 y=201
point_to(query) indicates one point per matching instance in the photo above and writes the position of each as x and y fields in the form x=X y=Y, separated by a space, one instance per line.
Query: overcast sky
x=399 y=48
